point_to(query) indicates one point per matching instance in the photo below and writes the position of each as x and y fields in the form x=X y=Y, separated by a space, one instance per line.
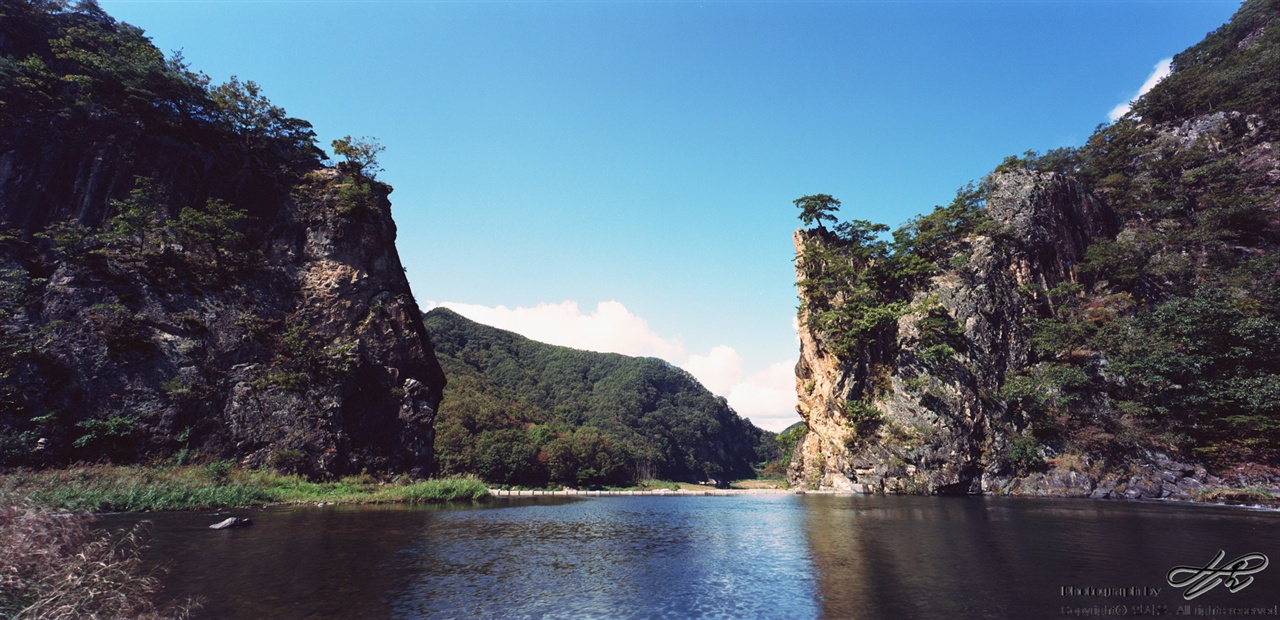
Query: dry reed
x=57 y=567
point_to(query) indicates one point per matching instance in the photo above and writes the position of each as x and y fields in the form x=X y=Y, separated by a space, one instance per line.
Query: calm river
x=776 y=556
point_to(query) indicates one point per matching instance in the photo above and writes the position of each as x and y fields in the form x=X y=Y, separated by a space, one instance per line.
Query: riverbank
x=1220 y=496
x=1223 y=497
x=658 y=492
x=682 y=492
x=216 y=485
x=1161 y=478
x=220 y=485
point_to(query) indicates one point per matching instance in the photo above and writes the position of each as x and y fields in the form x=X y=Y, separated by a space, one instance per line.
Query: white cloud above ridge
x=1160 y=72
x=718 y=371
x=766 y=397
x=610 y=328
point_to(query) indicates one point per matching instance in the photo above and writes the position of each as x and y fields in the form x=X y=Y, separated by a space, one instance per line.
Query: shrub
x=124 y=331
x=113 y=436
x=862 y=419
x=355 y=197
x=360 y=154
x=1024 y=454
x=218 y=471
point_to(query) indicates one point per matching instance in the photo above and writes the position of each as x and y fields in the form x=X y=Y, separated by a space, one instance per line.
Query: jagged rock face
x=180 y=276
x=311 y=357
x=71 y=169
x=351 y=292
x=941 y=417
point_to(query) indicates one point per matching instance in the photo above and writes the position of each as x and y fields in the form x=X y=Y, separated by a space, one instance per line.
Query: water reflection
x=925 y=557
x=634 y=557
x=730 y=557
x=309 y=562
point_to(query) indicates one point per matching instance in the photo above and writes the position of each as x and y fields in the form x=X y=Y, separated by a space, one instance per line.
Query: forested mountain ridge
x=180 y=274
x=1101 y=320
x=518 y=411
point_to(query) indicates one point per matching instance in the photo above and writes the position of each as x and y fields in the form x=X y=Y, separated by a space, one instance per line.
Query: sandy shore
x=665 y=492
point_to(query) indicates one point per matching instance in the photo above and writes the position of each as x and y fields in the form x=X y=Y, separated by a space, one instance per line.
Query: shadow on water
x=294 y=562
x=777 y=556
x=545 y=557
x=973 y=557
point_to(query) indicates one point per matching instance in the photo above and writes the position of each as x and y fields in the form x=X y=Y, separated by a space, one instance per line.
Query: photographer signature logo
x=1234 y=574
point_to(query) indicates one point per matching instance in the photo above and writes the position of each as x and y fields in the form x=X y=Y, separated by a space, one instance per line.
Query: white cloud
x=1161 y=71
x=718 y=371
x=767 y=397
x=611 y=328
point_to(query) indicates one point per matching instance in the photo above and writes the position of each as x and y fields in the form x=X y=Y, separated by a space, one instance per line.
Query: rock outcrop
x=940 y=422
x=231 y=522
x=943 y=423
x=180 y=276
x=312 y=357
x=1096 y=321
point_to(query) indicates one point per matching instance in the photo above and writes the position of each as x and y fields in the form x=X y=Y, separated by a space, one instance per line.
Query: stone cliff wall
x=941 y=427
x=305 y=350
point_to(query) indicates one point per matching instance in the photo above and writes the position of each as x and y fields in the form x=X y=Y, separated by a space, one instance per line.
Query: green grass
x=113 y=488
x=649 y=485
x=1238 y=496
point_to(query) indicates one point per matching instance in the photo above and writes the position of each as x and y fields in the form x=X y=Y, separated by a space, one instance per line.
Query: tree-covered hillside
x=1176 y=321
x=1162 y=339
x=517 y=411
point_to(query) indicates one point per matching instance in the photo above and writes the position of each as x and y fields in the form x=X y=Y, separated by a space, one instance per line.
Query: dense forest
x=517 y=411
x=1164 y=338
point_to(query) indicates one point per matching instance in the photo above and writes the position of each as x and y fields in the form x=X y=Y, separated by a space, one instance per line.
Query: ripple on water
x=634 y=557
x=780 y=556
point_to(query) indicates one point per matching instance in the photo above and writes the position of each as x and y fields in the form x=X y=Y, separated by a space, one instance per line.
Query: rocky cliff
x=1095 y=321
x=181 y=276
x=939 y=418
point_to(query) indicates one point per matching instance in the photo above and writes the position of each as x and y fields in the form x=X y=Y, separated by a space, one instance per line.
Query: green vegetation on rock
x=855 y=282
x=1184 y=304
x=1160 y=339
x=787 y=441
x=177 y=268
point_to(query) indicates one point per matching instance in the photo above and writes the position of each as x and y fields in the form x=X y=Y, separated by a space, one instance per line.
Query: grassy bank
x=1243 y=496
x=115 y=488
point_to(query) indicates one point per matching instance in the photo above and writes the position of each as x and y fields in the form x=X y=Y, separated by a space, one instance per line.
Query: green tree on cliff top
x=816 y=208
x=361 y=155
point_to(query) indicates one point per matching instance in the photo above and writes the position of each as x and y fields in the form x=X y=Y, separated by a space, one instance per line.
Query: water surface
x=777 y=556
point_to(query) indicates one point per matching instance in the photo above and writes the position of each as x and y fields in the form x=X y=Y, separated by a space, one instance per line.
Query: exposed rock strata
x=941 y=420
x=944 y=427
x=306 y=353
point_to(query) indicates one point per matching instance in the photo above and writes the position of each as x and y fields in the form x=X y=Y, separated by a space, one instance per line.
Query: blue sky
x=619 y=175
